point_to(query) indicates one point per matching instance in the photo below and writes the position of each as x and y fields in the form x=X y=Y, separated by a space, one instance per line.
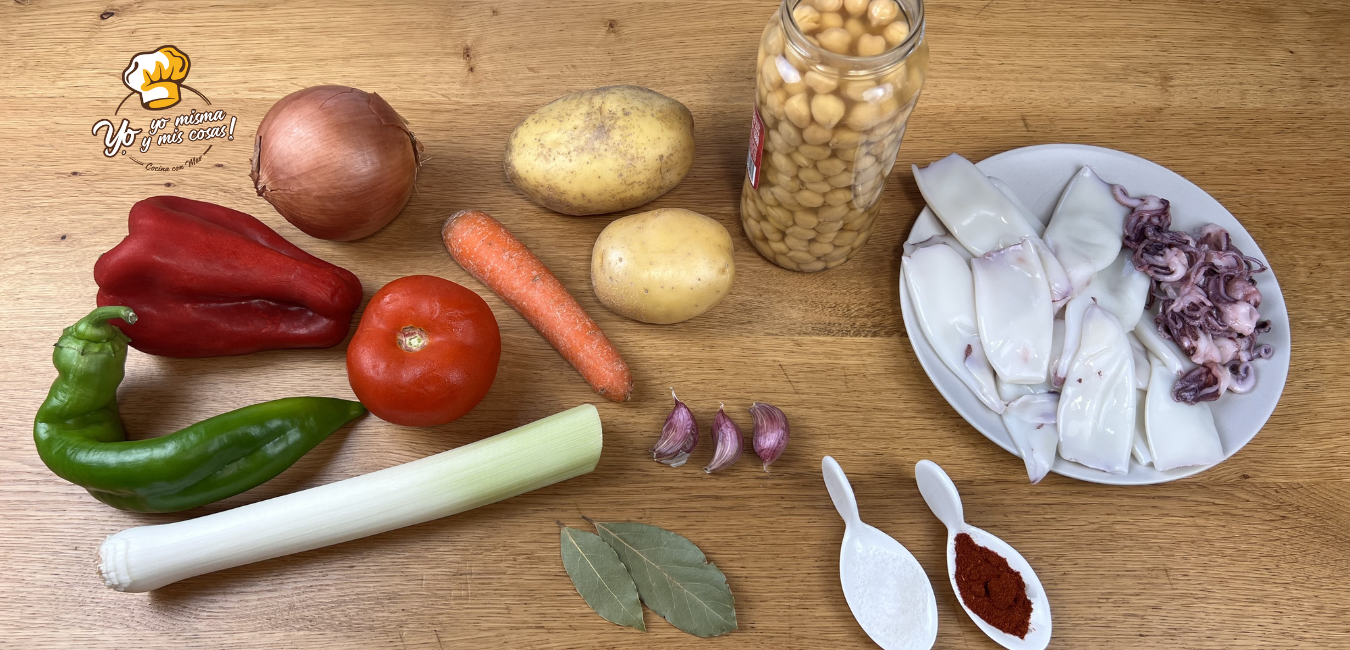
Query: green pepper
x=79 y=434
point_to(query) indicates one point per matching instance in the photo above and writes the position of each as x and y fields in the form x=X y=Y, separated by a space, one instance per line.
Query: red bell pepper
x=207 y=281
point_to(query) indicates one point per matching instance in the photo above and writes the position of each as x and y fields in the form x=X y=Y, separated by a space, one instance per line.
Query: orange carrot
x=489 y=252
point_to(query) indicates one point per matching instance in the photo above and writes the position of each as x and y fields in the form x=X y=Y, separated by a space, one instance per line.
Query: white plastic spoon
x=942 y=498
x=886 y=589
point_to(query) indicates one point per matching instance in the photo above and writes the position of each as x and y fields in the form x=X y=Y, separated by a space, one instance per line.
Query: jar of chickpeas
x=837 y=80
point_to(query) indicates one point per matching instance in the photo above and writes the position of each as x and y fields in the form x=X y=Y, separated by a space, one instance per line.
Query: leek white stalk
x=541 y=453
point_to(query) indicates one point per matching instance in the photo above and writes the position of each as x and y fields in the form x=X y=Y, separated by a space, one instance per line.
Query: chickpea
x=810 y=175
x=770 y=75
x=882 y=12
x=844 y=139
x=855 y=90
x=836 y=39
x=831 y=166
x=860 y=118
x=752 y=228
x=871 y=45
x=855 y=27
x=814 y=151
x=829 y=6
x=827 y=226
x=843 y=179
x=845 y=237
x=831 y=19
x=798 y=109
x=828 y=213
x=818 y=248
x=896 y=33
x=794 y=244
x=810 y=199
x=807 y=18
x=827 y=110
x=855 y=7
x=790 y=134
x=817 y=134
x=805 y=219
x=773 y=41
x=836 y=256
x=801 y=256
x=821 y=82
x=838 y=196
x=776 y=103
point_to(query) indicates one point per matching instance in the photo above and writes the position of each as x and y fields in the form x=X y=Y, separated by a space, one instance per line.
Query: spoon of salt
x=886 y=589
x=942 y=498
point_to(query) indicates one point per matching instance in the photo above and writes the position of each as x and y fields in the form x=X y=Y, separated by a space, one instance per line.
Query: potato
x=601 y=150
x=662 y=266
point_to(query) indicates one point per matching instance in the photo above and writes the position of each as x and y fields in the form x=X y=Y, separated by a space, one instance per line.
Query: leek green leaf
x=673 y=577
x=600 y=578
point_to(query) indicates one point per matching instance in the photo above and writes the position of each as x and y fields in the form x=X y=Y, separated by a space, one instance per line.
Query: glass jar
x=836 y=82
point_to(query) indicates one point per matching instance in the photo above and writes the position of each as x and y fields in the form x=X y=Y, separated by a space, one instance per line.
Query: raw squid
x=1140 y=446
x=1086 y=227
x=943 y=293
x=1179 y=435
x=1147 y=334
x=1014 y=312
x=1140 y=354
x=971 y=207
x=928 y=231
x=1037 y=220
x=1096 y=416
x=1029 y=422
x=1119 y=289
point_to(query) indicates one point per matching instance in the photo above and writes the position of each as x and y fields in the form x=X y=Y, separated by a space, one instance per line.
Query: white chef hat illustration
x=156 y=75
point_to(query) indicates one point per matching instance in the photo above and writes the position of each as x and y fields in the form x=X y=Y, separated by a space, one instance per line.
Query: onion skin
x=337 y=162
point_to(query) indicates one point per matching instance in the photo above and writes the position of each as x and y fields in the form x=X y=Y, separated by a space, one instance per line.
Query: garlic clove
x=771 y=432
x=727 y=436
x=679 y=435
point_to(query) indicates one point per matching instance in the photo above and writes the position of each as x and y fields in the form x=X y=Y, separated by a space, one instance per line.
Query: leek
x=541 y=453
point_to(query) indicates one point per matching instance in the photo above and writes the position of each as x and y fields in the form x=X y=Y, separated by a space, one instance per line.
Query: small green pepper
x=79 y=434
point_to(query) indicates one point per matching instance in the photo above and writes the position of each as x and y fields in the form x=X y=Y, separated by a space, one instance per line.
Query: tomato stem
x=412 y=338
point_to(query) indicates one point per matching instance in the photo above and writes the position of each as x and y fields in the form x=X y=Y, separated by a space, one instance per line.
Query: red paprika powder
x=991 y=588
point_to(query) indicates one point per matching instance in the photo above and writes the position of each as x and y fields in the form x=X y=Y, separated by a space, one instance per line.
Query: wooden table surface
x=1247 y=99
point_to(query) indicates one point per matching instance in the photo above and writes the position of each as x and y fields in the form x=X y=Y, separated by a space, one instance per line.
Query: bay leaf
x=600 y=578
x=673 y=577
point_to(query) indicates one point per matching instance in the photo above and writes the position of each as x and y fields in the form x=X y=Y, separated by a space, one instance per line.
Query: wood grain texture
x=1250 y=100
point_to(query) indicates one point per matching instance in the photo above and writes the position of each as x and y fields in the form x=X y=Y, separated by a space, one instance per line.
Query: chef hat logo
x=157 y=76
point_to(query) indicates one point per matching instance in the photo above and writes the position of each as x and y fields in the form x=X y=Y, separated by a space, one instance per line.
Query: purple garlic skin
x=727 y=436
x=679 y=435
x=771 y=432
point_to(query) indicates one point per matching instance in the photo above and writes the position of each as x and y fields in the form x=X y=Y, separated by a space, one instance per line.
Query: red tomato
x=425 y=353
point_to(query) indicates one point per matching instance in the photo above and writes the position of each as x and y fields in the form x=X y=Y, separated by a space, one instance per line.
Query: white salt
x=891 y=598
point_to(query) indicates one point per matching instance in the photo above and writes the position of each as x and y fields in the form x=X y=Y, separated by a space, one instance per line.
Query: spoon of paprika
x=993 y=582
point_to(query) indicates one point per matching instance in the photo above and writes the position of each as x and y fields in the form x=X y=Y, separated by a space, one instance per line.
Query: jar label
x=756 y=148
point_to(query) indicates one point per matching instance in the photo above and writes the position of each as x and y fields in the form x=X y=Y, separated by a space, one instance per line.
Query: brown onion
x=337 y=162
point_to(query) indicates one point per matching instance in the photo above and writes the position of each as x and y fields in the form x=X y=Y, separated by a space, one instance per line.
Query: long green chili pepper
x=79 y=434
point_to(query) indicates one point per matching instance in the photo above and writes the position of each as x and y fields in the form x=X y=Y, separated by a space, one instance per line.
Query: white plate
x=1038 y=174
